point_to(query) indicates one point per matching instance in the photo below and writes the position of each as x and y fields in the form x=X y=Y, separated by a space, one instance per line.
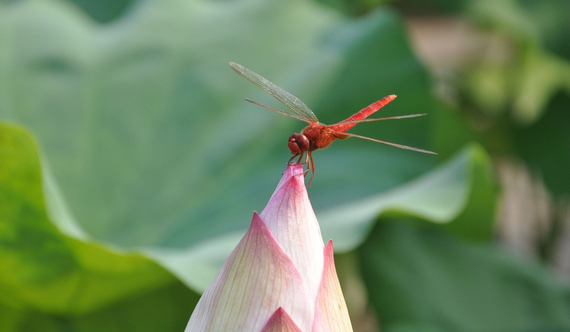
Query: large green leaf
x=420 y=279
x=145 y=139
x=143 y=128
x=459 y=190
x=50 y=281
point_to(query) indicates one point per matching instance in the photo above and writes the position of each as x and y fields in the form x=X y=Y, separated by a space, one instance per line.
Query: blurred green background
x=130 y=165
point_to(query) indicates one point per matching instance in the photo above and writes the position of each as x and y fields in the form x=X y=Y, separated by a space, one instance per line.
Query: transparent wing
x=294 y=116
x=341 y=134
x=293 y=103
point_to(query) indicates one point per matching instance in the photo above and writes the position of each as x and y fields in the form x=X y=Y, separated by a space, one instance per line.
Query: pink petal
x=290 y=218
x=281 y=322
x=331 y=313
x=254 y=282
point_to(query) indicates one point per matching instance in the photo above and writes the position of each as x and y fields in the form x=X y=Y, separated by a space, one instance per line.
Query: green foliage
x=527 y=97
x=104 y=11
x=144 y=132
x=144 y=128
x=150 y=163
x=546 y=145
x=463 y=189
x=50 y=279
x=420 y=279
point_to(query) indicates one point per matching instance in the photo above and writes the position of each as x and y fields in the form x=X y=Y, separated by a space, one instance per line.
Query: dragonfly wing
x=292 y=102
x=346 y=135
x=294 y=116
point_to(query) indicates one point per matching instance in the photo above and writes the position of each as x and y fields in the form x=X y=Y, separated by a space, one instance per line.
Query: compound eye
x=298 y=143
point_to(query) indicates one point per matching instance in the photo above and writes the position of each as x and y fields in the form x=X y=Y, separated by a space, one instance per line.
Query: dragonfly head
x=298 y=143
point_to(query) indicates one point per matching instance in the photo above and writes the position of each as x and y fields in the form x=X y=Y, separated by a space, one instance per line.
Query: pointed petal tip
x=294 y=170
x=331 y=313
x=297 y=173
x=329 y=254
x=257 y=221
x=280 y=321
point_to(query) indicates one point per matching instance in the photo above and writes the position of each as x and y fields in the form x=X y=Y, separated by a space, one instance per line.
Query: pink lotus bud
x=280 y=277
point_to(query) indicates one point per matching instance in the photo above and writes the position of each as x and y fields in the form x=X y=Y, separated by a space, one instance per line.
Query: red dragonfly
x=317 y=135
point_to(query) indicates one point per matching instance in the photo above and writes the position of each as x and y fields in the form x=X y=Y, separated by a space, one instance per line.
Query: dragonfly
x=317 y=135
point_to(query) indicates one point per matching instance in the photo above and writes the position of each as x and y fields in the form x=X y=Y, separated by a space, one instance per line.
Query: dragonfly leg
x=308 y=163
x=311 y=166
x=294 y=156
x=301 y=157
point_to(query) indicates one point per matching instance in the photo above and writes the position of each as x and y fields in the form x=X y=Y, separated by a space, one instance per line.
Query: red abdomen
x=362 y=114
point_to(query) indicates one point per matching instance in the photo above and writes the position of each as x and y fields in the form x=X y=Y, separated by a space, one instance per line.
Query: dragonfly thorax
x=298 y=143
